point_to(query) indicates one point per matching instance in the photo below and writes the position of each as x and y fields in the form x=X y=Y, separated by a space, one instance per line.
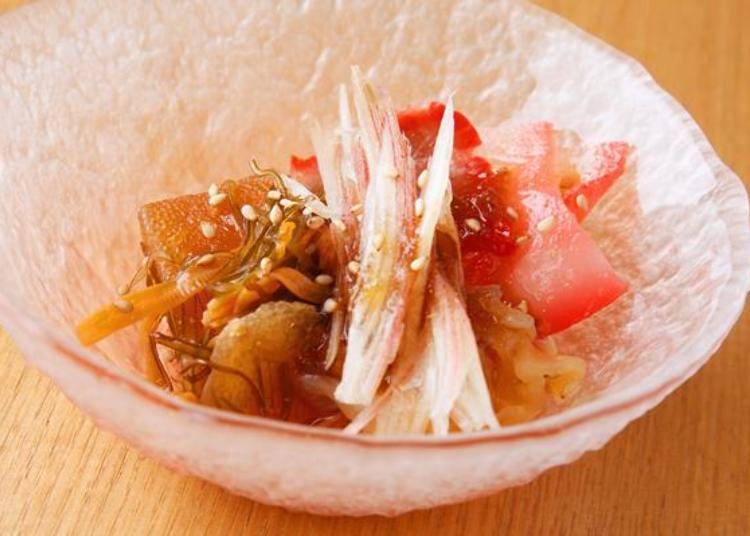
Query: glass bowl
x=105 y=109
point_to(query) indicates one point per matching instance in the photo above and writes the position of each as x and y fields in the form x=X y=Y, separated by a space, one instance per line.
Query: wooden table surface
x=682 y=469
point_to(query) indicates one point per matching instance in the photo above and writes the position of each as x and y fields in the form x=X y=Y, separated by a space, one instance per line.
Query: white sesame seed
x=265 y=264
x=248 y=212
x=275 y=195
x=482 y=175
x=275 y=215
x=378 y=240
x=523 y=306
x=418 y=263
x=323 y=279
x=512 y=212
x=419 y=207
x=124 y=306
x=521 y=239
x=330 y=305
x=473 y=224
x=353 y=267
x=357 y=209
x=315 y=222
x=208 y=229
x=340 y=225
x=307 y=211
x=208 y=258
x=546 y=224
x=582 y=202
x=123 y=289
x=216 y=199
x=392 y=173
x=213 y=190
x=422 y=179
x=286 y=203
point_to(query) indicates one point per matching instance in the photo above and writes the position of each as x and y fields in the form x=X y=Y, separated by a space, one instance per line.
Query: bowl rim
x=647 y=394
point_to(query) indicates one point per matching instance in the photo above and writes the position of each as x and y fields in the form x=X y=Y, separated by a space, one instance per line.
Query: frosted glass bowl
x=104 y=110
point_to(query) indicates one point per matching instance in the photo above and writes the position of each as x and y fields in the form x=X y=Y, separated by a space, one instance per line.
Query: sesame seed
x=419 y=207
x=482 y=175
x=275 y=195
x=265 y=264
x=340 y=225
x=208 y=258
x=307 y=211
x=330 y=305
x=546 y=224
x=418 y=263
x=512 y=212
x=353 y=267
x=248 y=212
x=582 y=202
x=124 y=306
x=208 y=229
x=473 y=224
x=392 y=173
x=123 y=289
x=422 y=179
x=286 y=203
x=315 y=222
x=216 y=199
x=521 y=239
x=275 y=215
x=357 y=209
x=378 y=240
x=523 y=306
x=323 y=279
x=213 y=190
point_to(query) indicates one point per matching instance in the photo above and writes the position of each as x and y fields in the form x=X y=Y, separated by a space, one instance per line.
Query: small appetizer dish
x=399 y=281
x=356 y=290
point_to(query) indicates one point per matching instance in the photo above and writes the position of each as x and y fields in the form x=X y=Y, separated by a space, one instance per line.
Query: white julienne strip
x=335 y=190
x=368 y=117
x=297 y=189
x=345 y=185
x=438 y=181
x=448 y=381
x=376 y=322
x=406 y=408
x=324 y=146
x=431 y=391
x=445 y=372
x=378 y=305
x=473 y=408
x=348 y=142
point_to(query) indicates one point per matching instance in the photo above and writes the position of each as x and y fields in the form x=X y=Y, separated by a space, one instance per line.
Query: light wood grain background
x=682 y=469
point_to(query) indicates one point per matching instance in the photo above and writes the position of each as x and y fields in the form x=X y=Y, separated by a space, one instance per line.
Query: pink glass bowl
x=103 y=110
